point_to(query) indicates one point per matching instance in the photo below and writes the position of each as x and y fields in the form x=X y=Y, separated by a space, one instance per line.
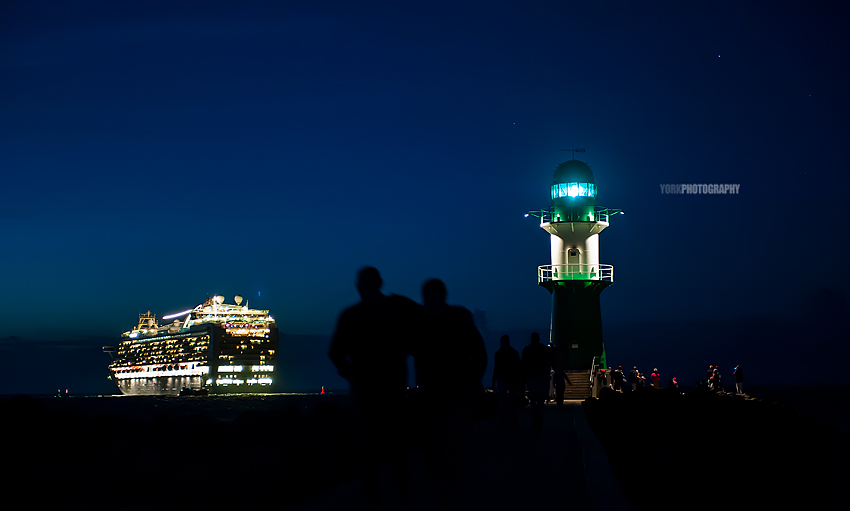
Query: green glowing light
x=573 y=190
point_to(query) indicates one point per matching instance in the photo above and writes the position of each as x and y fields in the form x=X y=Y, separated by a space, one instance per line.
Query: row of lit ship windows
x=238 y=381
x=180 y=347
x=165 y=345
x=154 y=348
x=171 y=340
x=262 y=354
x=197 y=345
x=170 y=367
x=263 y=368
x=160 y=349
x=238 y=369
x=178 y=356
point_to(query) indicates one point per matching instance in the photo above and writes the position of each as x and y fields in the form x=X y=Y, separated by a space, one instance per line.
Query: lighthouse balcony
x=597 y=214
x=559 y=272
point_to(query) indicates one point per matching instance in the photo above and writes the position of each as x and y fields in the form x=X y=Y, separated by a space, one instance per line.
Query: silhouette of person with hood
x=369 y=349
x=507 y=380
x=536 y=363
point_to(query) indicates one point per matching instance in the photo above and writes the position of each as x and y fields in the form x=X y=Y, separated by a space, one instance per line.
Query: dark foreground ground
x=299 y=452
x=173 y=452
x=290 y=452
x=712 y=451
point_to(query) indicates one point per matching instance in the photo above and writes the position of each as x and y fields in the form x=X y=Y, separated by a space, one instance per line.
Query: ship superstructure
x=221 y=347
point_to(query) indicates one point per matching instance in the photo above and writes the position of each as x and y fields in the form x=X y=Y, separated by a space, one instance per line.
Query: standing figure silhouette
x=507 y=381
x=450 y=359
x=369 y=349
x=536 y=363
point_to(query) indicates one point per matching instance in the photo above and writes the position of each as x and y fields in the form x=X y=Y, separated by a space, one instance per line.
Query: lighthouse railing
x=562 y=272
x=600 y=214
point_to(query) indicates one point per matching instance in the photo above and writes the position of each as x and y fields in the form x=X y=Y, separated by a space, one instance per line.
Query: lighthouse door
x=573 y=262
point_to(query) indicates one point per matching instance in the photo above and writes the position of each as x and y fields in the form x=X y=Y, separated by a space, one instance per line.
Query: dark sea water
x=222 y=407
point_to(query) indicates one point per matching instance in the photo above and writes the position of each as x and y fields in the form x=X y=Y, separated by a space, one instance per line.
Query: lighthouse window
x=573 y=190
x=559 y=190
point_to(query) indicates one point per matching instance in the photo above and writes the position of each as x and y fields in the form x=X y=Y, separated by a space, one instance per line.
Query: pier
x=561 y=466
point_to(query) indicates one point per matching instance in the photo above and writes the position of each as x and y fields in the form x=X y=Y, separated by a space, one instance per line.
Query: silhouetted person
x=507 y=380
x=739 y=379
x=618 y=379
x=369 y=349
x=559 y=377
x=601 y=381
x=655 y=378
x=536 y=362
x=634 y=377
x=450 y=360
x=715 y=380
x=673 y=385
x=708 y=375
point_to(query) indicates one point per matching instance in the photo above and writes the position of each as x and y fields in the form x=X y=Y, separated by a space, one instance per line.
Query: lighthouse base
x=576 y=327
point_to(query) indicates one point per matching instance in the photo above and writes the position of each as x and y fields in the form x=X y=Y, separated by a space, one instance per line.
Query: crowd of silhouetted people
x=537 y=370
x=615 y=379
x=713 y=381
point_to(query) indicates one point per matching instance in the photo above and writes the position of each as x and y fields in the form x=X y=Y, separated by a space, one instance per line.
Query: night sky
x=156 y=153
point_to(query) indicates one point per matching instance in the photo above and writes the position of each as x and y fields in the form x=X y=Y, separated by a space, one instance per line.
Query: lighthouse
x=575 y=278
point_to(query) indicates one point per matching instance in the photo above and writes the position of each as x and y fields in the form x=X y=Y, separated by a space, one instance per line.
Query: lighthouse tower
x=575 y=278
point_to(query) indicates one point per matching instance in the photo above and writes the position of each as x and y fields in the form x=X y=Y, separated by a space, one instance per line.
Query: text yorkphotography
x=700 y=189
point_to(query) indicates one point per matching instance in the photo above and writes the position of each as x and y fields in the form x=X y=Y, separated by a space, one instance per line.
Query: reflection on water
x=217 y=407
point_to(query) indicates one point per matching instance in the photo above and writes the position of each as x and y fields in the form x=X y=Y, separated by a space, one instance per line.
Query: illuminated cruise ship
x=215 y=346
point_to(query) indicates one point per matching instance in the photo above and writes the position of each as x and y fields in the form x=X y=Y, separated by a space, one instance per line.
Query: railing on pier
x=594 y=392
x=559 y=272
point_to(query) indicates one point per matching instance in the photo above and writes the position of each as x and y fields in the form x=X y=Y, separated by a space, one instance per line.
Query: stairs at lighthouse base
x=578 y=385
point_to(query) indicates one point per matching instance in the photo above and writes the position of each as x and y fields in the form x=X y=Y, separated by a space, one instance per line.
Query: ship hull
x=158 y=386
x=171 y=386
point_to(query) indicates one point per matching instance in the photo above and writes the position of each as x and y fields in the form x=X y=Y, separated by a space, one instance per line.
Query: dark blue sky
x=153 y=154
